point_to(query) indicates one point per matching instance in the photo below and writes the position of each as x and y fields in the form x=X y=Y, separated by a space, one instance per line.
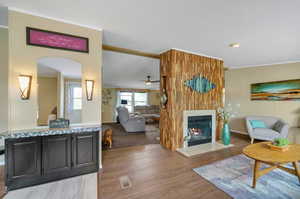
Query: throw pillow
x=278 y=126
x=257 y=124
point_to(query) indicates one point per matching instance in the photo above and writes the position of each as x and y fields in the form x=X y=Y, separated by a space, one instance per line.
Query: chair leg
x=252 y=140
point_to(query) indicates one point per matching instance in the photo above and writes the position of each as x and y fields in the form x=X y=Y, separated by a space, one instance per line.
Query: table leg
x=297 y=170
x=255 y=172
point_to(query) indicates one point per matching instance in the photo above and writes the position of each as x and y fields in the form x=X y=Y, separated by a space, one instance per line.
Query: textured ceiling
x=267 y=30
x=50 y=66
x=129 y=71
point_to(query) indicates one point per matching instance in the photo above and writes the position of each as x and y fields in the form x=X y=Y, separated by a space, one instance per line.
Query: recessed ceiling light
x=234 y=45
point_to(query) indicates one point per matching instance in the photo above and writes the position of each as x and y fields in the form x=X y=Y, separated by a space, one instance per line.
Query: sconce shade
x=25 y=86
x=89 y=89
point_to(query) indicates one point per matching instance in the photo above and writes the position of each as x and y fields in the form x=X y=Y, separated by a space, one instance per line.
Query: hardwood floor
x=2 y=182
x=159 y=173
x=123 y=139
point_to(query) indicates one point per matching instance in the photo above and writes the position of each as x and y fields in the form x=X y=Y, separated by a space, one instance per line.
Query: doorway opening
x=131 y=99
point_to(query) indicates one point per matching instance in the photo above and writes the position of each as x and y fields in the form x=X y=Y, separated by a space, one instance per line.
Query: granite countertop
x=46 y=131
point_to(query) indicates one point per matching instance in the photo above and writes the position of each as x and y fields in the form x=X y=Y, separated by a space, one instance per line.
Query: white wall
x=23 y=59
x=3 y=16
x=3 y=79
x=47 y=98
x=60 y=95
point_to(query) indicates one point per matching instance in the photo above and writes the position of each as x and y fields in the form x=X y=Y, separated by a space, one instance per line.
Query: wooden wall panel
x=177 y=67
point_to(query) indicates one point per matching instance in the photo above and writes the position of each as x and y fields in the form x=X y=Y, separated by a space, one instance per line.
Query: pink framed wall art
x=56 y=40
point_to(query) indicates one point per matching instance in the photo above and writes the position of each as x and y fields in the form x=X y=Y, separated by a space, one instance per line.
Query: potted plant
x=279 y=144
x=225 y=114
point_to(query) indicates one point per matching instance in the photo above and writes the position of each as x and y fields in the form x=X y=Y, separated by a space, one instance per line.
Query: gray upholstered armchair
x=131 y=123
x=276 y=128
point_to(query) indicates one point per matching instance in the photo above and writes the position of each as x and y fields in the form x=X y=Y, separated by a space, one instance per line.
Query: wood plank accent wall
x=177 y=67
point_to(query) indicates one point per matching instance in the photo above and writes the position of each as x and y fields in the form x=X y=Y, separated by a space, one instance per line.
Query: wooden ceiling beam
x=134 y=52
x=129 y=51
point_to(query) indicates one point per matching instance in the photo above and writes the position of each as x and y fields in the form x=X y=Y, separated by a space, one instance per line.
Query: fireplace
x=199 y=127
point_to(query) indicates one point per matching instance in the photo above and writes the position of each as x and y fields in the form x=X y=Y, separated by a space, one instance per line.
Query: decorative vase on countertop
x=226 y=134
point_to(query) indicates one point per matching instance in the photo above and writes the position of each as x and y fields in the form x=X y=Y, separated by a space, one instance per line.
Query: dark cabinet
x=37 y=160
x=56 y=154
x=23 y=157
x=85 y=150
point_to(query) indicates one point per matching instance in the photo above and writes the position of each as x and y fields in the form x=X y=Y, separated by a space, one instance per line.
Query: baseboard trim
x=109 y=123
x=239 y=132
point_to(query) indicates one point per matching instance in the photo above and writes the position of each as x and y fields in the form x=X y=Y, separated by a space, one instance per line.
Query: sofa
x=150 y=113
x=131 y=123
x=275 y=128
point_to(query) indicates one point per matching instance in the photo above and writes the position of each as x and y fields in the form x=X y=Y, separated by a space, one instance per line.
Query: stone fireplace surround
x=189 y=151
x=189 y=113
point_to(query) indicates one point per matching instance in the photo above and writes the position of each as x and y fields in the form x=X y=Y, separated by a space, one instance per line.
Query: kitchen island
x=38 y=156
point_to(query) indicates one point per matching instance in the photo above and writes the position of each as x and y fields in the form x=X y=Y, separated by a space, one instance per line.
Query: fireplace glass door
x=199 y=129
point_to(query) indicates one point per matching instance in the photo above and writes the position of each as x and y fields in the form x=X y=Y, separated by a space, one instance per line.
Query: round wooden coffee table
x=261 y=153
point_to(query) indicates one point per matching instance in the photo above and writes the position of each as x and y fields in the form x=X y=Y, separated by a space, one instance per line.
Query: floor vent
x=125 y=182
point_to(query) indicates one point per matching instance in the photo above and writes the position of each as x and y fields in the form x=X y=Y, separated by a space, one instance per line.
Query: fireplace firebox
x=199 y=129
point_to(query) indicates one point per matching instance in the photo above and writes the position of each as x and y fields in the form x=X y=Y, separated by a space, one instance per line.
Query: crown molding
x=263 y=65
x=53 y=18
x=1 y=26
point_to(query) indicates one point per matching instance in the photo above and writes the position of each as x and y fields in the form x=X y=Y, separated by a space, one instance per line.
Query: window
x=140 y=99
x=133 y=99
x=77 y=98
x=128 y=97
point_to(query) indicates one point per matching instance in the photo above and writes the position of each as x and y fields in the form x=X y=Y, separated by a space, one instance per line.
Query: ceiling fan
x=148 y=81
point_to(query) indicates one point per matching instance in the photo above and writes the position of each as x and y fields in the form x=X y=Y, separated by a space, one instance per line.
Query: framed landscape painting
x=288 y=90
x=50 y=39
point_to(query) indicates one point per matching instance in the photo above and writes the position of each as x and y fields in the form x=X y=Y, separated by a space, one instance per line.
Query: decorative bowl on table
x=279 y=144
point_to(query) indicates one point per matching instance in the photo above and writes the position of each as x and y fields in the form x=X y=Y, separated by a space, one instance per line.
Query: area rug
x=234 y=177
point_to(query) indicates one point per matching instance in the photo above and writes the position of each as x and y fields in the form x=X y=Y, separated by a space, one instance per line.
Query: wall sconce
x=25 y=86
x=89 y=89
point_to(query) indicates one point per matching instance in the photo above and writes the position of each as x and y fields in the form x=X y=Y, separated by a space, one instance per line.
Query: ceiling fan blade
x=155 y=81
